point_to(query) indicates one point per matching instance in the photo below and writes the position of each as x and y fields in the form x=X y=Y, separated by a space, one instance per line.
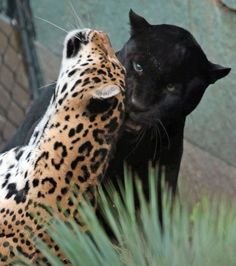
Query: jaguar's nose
x=105 y=44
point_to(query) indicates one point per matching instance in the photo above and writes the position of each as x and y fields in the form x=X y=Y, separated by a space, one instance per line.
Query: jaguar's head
x=167 y=72
x=89 y=68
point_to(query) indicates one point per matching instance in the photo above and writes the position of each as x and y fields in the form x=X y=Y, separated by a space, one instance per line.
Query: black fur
x=167 y=75
x=175 y=73
x=35 y=112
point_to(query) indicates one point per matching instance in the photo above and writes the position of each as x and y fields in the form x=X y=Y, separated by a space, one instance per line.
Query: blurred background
x=30 y=50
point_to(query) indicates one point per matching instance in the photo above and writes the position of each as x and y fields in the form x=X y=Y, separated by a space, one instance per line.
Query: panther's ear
x=137 y=23
x=106 y=92
x=216 y=72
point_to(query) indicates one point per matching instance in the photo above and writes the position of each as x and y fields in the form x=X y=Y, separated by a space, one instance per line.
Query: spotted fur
x=69 y=149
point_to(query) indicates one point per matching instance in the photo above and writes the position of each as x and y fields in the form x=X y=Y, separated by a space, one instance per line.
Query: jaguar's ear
x=137 y=23
x=216 y=72
x=106 y=92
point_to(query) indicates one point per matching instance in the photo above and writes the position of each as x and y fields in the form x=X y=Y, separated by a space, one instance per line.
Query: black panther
x=167 y=75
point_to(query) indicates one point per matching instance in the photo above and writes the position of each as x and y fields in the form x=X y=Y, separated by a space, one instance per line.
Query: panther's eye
x=137 y=67
x=170 y=87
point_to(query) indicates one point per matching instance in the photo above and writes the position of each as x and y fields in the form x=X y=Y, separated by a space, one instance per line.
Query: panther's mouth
x=131 y=125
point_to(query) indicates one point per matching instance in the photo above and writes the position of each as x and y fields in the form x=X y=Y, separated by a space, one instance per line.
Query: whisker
x=168 y=138
x=80 y=23
x=138 y=136
x=73 y=25
x=153 y=133
x=135 y=139
x=157 y=132
x=141 y=134
x=54 y=82
x=89 y=20
x=54 y=25
x=51 y=23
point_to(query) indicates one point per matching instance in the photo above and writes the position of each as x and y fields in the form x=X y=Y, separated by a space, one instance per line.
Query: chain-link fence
x=20 y=75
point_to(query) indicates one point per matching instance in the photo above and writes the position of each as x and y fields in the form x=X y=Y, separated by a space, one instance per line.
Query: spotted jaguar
x=69 y=150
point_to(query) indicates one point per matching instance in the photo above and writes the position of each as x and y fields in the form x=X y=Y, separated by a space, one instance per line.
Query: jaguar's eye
x=170 y=87
x=137 y=67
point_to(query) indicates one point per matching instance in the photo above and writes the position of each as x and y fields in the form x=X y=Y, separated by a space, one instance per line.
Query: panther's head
x=167 y=72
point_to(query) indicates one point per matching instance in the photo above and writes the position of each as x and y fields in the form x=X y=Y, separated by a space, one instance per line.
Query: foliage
x=205 y=235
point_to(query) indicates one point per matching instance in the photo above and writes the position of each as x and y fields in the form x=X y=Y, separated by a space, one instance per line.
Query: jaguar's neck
x=75 y=146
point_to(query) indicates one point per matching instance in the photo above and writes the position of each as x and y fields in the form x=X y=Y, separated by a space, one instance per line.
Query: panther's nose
x=136 y=105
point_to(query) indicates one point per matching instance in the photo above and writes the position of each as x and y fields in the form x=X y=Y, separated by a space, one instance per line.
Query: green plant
x=205 y=235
